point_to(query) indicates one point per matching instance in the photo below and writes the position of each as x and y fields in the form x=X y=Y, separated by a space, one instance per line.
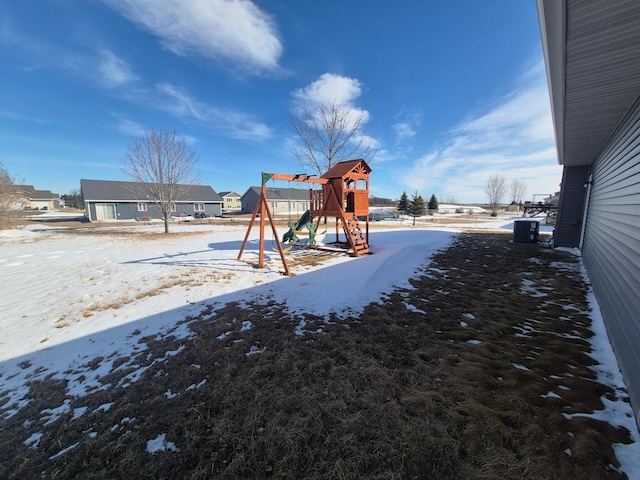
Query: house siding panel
x=292 y=201
x=571 y=206
x=127 y=211
x=250 y=199
x=612 y=244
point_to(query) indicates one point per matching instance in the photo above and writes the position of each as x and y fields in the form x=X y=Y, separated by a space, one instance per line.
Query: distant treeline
x=382 y=202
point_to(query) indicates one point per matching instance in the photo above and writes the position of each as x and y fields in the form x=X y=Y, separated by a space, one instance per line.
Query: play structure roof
x=341 y=169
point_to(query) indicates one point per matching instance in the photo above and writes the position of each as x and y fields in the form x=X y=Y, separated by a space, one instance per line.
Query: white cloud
x=114 y=72
x=228 y=30
x=404 y=131
x=9 y=37
x=239 y=125
x=181 y=104
x=368 y=141
x=32 y=53
x=514 y=138
x=135 y=129
x=23 y=118
x=128 y=127
x=329 y=88
x=407 y=125
x=103 y=68
x=189 y=139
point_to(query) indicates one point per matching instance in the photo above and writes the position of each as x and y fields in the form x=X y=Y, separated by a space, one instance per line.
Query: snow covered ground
x=67 y=298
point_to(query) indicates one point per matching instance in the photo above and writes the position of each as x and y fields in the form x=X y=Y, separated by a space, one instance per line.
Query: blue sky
x=451 y=91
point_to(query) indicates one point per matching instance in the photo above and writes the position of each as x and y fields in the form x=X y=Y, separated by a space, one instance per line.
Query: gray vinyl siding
x=571 y=206
x=611 y=248
x=127 y=211
x=281 y=200
x=250 y=199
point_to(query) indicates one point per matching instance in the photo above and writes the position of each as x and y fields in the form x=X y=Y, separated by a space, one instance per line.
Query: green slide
x=291 y=236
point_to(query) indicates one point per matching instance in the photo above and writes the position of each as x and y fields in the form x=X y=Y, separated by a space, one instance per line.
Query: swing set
x=344 y=195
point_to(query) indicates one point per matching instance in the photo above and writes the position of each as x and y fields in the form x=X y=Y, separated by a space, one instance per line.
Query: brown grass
x=397 y=393
x=191 y=277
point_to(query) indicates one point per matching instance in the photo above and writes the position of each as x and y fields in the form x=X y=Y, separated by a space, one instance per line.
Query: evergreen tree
x=416 y=207
x=433 y=203
x=403 y=204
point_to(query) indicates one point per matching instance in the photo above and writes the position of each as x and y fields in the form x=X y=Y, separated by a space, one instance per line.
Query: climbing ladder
x=354 y=234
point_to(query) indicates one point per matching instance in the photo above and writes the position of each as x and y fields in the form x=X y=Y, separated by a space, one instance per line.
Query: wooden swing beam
x=262 y=207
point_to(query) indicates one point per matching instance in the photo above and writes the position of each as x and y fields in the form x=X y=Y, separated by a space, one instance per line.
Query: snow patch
x=63 y=451
x=520 y=367
x=160 y=444
x=34 y=440
x=255 y=350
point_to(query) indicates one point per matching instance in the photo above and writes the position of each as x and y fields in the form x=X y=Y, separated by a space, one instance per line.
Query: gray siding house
x=113 y=200
x=281 y=200
x=592 y=57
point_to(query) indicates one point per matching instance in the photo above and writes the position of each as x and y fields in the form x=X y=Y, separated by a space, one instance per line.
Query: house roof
x=28 y=191
x=229 y=194
x=592 y=57
x=43 y=195
x=116 y=191
x=339 y=170
x=283 y=194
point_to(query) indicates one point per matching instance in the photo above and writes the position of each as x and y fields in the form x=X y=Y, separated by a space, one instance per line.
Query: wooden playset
x=344 y=196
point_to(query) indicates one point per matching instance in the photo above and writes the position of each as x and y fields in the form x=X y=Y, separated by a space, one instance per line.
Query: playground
x=344 y=196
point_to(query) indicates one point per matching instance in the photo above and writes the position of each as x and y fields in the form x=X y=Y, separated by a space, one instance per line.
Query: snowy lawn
x=79 y=305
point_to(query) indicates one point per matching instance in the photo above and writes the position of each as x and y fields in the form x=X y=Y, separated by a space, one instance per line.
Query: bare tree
x=9 y=198
x=327 y=135
x=163 y=168
x=517 y=189
x=496 y=189
x=73 y=199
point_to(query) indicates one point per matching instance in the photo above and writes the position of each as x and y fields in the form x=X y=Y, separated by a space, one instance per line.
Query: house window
x=142 y=207
x=173 y=207
x=198 y=207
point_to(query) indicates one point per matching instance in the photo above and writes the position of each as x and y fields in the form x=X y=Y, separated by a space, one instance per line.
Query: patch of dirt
x=310 y=258
x=475 y=373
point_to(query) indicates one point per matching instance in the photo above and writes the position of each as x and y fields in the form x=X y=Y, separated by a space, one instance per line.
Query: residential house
x=231 y=201
x=115 y=200
x=592 y=57
x=30 y=198
x=281 y=200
